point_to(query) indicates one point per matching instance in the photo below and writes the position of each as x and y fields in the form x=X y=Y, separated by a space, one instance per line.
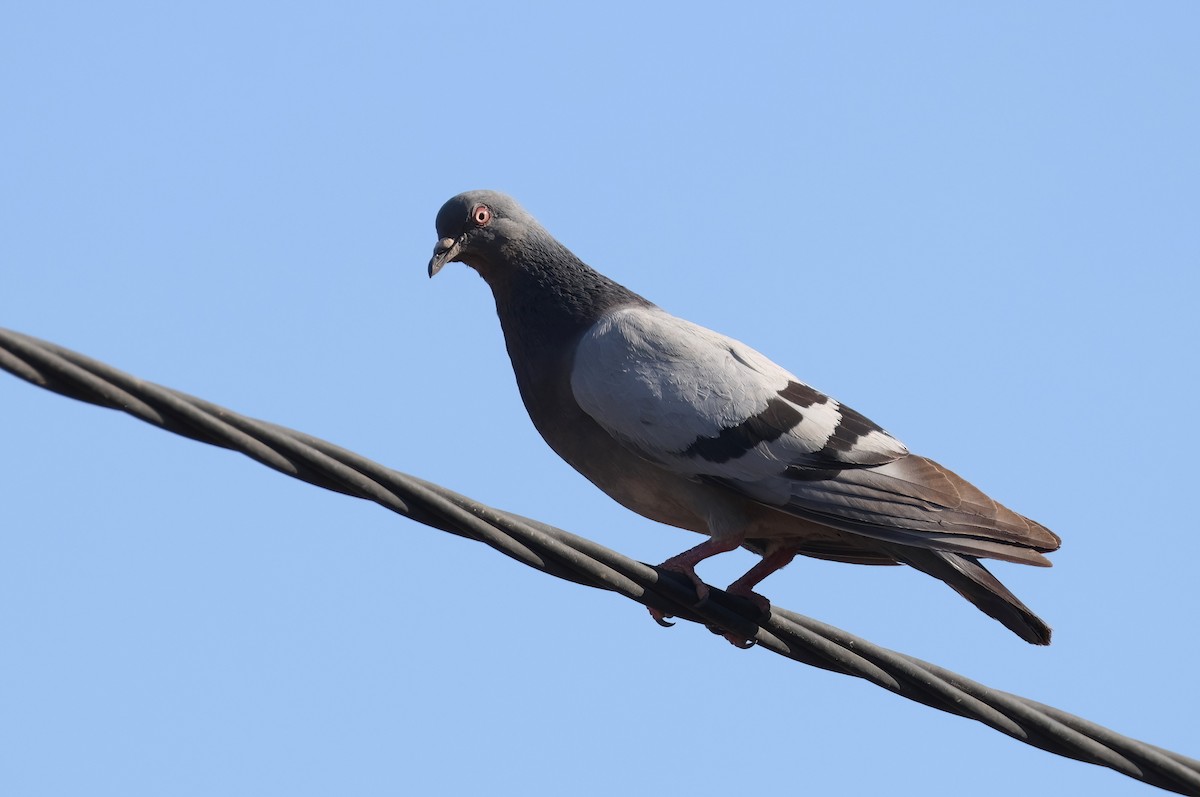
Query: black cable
x=568 y=556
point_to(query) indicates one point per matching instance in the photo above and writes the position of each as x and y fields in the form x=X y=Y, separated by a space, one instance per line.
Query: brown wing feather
x=916 y=501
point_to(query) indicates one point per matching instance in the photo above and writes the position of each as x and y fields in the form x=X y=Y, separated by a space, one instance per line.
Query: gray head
x=478 y=227
x=543 y=291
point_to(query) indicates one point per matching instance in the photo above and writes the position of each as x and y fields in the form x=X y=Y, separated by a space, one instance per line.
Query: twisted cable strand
x=583 y=561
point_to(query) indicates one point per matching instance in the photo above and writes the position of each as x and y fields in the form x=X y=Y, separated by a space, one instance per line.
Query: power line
x=583 y=561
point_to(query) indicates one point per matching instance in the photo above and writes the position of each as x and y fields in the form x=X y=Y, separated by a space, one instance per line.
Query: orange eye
x=481 y=215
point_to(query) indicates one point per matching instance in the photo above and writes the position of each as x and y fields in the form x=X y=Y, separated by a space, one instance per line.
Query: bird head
x=477 y=227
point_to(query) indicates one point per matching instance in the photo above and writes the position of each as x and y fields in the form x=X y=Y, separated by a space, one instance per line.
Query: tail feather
x=966 y=576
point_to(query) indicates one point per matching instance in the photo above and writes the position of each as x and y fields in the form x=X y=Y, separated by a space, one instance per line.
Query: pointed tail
x=973 y=581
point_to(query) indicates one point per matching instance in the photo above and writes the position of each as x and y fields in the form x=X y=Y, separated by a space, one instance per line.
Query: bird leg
x=743 y=587
x=686 y=562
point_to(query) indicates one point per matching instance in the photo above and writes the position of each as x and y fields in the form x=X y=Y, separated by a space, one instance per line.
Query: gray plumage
x=694 y=429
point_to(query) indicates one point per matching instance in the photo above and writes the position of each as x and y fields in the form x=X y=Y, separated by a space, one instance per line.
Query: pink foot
x=686 y=562
x=702 y=590
x=739 y=641
x=759 y=602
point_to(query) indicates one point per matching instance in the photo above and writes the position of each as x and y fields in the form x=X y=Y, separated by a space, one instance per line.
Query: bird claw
x=660 y=617
x=703 y=593
x=737 y=640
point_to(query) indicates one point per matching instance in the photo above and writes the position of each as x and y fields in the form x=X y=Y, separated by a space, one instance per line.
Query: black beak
x=446 y=250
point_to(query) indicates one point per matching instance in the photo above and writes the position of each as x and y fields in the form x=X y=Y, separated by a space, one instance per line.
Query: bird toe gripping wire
x=583 y=561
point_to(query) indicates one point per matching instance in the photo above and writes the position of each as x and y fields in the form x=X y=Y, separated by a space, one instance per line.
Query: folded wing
x=708 y=407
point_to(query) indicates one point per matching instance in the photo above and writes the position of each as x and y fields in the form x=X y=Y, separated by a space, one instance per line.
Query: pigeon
x=696 y=430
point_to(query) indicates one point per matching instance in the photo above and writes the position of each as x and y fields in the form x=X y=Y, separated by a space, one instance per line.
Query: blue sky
x=978 y=226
